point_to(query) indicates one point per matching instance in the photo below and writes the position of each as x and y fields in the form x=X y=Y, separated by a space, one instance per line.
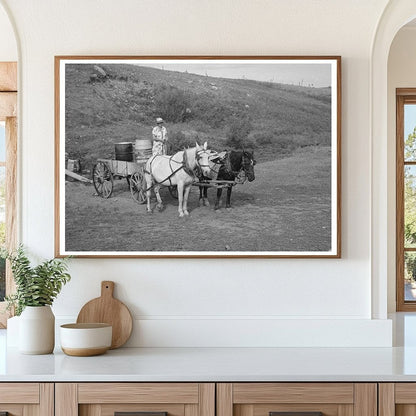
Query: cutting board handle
x=107 y=288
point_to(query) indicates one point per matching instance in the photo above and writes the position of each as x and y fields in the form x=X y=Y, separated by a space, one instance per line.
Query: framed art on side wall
x=198 y=156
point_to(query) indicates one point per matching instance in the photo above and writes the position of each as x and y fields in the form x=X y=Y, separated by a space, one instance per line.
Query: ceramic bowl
x=83 y=340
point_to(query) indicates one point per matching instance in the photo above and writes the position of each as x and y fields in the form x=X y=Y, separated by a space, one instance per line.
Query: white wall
x=8 y=47
x=203 y=302
x=401 y=74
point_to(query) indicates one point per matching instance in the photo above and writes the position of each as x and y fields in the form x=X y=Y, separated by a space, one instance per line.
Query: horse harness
x=183 y=165
x=240 y=174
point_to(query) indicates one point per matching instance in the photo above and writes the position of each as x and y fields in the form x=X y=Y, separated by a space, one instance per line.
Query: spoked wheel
x=102 y=179
x=173 y=190
x=137 y=187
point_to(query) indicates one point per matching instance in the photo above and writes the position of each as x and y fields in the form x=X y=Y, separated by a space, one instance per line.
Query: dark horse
x=235 y=165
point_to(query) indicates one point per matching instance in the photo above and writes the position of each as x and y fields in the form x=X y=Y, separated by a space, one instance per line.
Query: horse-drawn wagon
x=233 y=169
x=129 y=163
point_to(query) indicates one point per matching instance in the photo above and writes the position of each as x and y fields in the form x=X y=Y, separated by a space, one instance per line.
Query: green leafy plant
x=35 y=285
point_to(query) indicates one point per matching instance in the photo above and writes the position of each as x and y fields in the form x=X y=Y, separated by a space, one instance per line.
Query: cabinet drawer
x=19 y=393
x=21 y=399
x=138 y=393
x=145 y=399
x=296 y=399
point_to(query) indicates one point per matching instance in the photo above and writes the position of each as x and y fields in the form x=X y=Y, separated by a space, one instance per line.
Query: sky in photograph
x=306 y=74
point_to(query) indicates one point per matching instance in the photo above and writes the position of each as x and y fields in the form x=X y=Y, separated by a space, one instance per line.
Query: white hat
x=159 y=120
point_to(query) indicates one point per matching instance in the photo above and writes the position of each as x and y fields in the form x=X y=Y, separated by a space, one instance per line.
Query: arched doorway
x=396 y=15
x=401 y=98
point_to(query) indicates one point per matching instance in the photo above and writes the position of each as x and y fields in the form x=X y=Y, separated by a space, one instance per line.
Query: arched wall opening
x=401 y=74
x=8 y=44
x=396 y=15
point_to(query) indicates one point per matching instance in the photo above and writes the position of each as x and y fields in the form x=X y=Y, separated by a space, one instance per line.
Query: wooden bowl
x=84 y=340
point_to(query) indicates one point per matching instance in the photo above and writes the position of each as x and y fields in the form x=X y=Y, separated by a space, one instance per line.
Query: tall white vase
x=12 y=334
x=37 y=330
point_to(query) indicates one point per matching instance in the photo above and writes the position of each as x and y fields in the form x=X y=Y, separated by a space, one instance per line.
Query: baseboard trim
x=257 y=332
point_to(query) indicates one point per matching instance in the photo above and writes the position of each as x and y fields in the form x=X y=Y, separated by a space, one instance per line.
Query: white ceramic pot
x=86 y=339
x=37 y=330
x=12 y=333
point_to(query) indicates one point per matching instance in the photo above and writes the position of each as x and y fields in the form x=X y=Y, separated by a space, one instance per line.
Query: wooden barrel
x=124 y=151
x=143 y=148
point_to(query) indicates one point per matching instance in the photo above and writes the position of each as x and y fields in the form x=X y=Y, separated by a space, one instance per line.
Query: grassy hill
x=114 y=103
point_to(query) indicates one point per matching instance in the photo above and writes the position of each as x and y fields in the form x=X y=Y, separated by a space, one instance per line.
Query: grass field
x=272 y=119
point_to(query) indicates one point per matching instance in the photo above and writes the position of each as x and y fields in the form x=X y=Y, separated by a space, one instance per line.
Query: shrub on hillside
x=263 y=138
x=178 y=140
x=285 y=144
x=238 y=131
x=171 y=103
x=211 y=112
x=272 y=140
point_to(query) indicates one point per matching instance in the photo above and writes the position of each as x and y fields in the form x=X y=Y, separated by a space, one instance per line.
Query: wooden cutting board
x=108 y=310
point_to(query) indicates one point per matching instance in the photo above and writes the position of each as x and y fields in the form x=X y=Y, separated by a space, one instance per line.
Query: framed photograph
x=196 y=156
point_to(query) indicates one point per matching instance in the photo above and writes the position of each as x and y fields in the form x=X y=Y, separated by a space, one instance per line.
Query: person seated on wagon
x=160 y=138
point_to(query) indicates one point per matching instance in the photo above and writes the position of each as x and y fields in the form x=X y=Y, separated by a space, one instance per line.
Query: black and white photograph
x=197 y=156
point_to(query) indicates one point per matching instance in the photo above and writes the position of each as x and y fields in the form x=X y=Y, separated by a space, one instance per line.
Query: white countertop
x=221 y=364
x=215 y=364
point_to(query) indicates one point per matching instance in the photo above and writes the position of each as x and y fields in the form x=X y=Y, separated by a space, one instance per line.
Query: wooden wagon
x=106 y=171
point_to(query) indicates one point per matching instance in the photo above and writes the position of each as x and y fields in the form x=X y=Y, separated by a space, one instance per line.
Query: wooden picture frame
x=281 y=113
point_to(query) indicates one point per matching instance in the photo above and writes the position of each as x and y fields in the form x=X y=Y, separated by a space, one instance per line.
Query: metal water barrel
x=124 y=151
x=143 y=149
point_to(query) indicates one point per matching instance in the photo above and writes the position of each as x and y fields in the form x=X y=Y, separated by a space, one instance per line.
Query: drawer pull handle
x=140 y=414
x=295 y=413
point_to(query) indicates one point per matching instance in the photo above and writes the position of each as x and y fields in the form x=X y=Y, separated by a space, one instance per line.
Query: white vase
x=12 y=334
x=37 y=330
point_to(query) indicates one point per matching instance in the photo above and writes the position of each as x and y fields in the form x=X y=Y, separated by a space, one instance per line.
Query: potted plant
x=36 y=289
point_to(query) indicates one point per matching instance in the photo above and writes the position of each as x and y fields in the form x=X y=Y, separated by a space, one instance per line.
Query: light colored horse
x=180 y=170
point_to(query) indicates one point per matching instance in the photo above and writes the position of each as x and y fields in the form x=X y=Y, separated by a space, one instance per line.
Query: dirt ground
x=286 y=208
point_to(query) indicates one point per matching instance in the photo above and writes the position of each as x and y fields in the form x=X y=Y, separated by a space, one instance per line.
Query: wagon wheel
x=137 y=188
x=173 y=190
x=102 y=179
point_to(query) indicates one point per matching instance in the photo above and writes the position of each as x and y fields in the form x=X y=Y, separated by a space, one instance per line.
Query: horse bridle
x=246 y=158
x=198 y=157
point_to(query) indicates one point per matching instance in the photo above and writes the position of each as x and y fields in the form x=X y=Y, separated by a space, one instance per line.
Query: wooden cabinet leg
x=365 y=399
x=207 y=399
x=47 y=400
x=386 y=399
x=224 y=399
x=66 y=399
